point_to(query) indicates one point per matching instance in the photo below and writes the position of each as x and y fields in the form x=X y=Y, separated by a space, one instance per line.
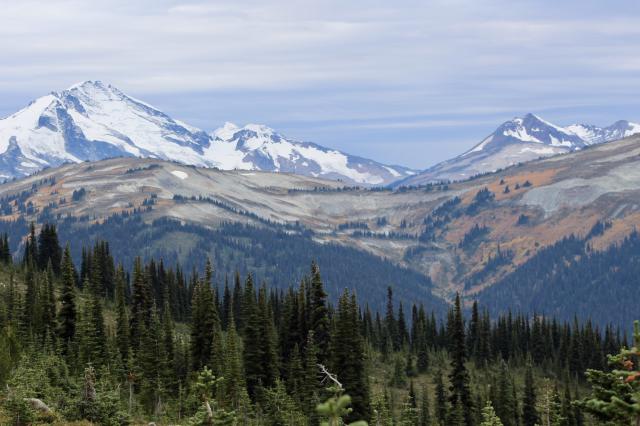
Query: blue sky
x=403 y=82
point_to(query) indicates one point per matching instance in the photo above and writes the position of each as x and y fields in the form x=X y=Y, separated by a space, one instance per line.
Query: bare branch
x=328 y=376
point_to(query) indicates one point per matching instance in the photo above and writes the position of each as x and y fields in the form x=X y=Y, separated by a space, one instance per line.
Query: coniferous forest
x=106 y=343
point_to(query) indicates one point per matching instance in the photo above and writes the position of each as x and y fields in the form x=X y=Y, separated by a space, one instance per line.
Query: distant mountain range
x=518 y=141
x=496 y=231
x=93 y=121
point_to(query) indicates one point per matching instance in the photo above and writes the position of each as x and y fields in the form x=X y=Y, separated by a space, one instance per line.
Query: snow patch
x=180 y=174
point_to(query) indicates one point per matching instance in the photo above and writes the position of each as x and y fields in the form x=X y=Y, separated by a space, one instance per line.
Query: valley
x=461 y=236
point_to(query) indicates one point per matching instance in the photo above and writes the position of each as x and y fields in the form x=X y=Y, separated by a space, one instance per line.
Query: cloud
x=296 y=62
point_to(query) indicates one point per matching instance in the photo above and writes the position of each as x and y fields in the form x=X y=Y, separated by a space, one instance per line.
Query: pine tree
x=150 y=358
x=505 y=403
x=67 y=314
x=5 y=249
x=409 y=414
x=489 y=417
x=30 y=301
x=168 y=367
x=204 y=323
x=49 y=302
x=210 y=414
x=253 y=353
x=310 y=385
x=529 y=403
x=98 y=339
x=425 y=412
x=441 y=401
x=391 y=328
x=31 y=247
x=122 y=318
x=381 y=409
x=140 y=305
x=234 y=383
x=348 y=357
x=459 y=376
x=319 y=314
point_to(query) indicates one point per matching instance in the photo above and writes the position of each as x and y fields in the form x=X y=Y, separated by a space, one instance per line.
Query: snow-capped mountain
x=593 y=134
x=258 y=147
x=93 y=121
x=518 y=141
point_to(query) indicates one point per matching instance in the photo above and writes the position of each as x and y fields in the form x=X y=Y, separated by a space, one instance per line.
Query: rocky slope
x=465 y=236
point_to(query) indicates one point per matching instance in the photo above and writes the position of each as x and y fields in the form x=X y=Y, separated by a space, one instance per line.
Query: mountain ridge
x=520 y=140
x=93 y=121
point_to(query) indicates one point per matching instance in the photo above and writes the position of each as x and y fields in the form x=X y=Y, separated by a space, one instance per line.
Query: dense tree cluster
x=569 y=278
x=113 y=346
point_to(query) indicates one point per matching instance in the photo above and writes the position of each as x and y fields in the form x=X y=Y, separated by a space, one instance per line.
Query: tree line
x=113 y=347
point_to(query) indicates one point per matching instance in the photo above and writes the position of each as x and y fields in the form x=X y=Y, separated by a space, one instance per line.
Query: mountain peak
x=93 y=120
x=88 y=83
x=226 y=132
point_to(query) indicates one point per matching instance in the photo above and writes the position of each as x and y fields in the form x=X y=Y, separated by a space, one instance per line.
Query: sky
x=401 y=82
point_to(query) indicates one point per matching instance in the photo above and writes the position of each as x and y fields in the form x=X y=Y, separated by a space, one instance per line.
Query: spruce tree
x=234 y=383
x=489 y=417
x=441 y=400
x=310 y=385
x=319 y=314
x=529 y=403
x=67 y=315
x=140 y=304
x=459 y=376
x=122 y=318
x=49 y=302
x=425 y=412
x=204 y=323
x=505 y=403
x=348 y=357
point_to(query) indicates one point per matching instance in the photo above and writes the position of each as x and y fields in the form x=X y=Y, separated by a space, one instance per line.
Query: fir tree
x=425 y=412
x=529 y=403
x=140 y=304
x=348 y=357
x=319 y=314
x=67 y=314
x=310 y=384
x=122 y=318
x=489 y=417
x=234 y=383
x=459 y=376
x=441 y=401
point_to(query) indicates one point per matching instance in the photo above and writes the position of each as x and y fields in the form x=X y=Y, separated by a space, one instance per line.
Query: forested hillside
x=271 y=254
x=91 y=342
x=570 y=278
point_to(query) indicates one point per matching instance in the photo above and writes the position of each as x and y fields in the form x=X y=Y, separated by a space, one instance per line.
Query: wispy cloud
x=295 y=62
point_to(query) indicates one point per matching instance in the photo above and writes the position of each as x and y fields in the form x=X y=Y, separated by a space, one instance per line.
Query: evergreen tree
x=67 y=314
x=504 y=402
x=49 y=302
x=122 y=318
x=489 y=417
x=425 y=412
x=529 y=403
x=319 y=314
x=348 y=356
x=441 y=401
x=140 y=305
x=615 y=394
x=234 y=383
x=310 y=385
x=459 y=376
